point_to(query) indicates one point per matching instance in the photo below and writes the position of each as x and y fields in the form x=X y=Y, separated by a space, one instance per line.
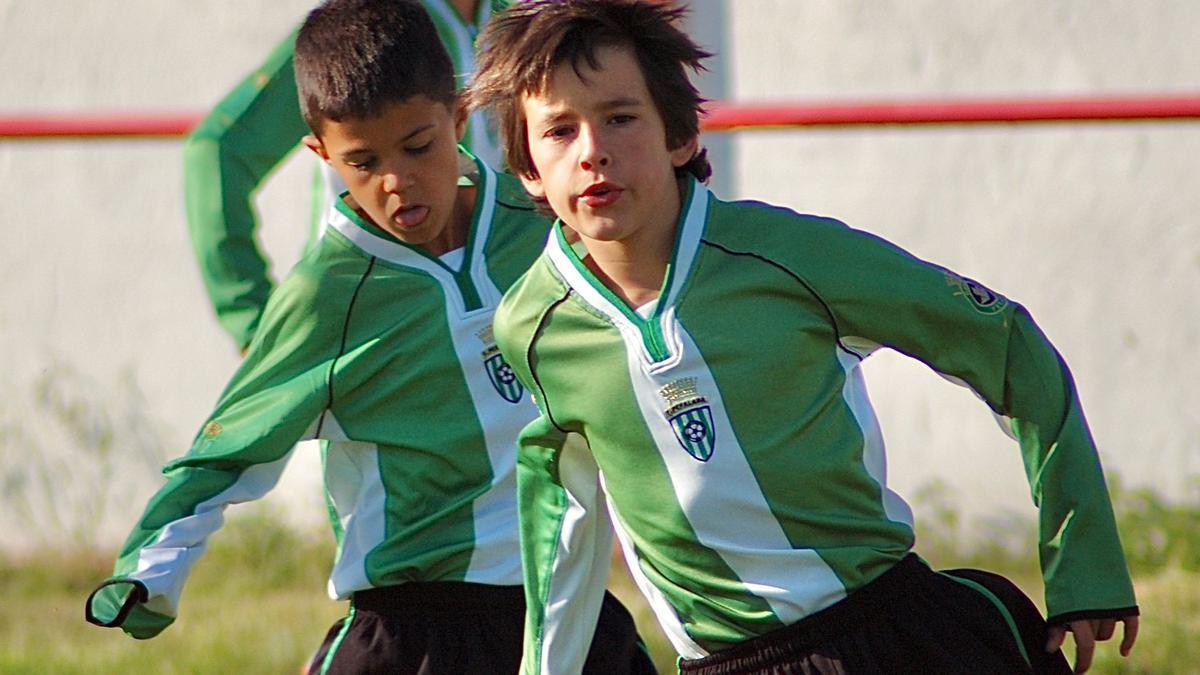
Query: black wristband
x=1068 y=617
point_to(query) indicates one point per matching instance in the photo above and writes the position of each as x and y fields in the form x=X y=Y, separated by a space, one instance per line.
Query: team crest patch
x=690 y=417
x=503 y=379
x=983 y=299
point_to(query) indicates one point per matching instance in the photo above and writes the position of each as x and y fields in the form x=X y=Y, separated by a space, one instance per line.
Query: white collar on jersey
x=660 y=346
x=689 y=229
x=346 y=222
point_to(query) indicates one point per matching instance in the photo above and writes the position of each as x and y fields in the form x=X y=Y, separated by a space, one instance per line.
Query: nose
x=396 y=180
x=593 y=152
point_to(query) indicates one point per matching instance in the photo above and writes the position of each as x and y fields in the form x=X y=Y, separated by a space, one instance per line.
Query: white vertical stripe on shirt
x=581 y=565
x=854 y=392
x=360 y=499
x=724 y=503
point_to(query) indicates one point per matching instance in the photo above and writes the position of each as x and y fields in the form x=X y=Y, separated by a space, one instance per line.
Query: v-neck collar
x=657 y=343
x=471 y=281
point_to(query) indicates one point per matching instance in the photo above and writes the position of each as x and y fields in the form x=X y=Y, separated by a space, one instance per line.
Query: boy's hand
x=1087 y=633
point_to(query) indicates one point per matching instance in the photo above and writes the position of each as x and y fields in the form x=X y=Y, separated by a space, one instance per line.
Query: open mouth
x=408 y=217
x=600 y=194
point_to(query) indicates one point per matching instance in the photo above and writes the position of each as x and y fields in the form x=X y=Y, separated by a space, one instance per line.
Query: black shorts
x=909 y=620
x=455 y=628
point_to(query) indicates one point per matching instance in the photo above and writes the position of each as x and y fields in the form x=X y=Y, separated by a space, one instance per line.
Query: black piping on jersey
x=342 y=347
x=783 y=268
x=529 y=356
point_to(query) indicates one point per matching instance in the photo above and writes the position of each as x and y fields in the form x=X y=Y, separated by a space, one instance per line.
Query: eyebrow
x=620 y=102
x=610 y=104
x=352 y=152
x=419 y=130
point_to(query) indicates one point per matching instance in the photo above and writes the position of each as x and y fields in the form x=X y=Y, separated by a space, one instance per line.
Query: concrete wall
x=114 y=357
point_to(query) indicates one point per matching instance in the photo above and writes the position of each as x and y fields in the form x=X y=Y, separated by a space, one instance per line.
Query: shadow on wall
x=76 y=459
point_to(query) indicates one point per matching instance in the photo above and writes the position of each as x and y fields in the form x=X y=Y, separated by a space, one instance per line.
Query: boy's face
x=401 y=168
x=600 y=149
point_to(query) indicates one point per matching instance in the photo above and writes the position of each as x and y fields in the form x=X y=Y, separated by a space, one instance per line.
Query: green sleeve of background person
x=226 y=158
x=960 y=328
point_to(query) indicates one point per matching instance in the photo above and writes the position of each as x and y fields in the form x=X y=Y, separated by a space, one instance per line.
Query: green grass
x=256 y=602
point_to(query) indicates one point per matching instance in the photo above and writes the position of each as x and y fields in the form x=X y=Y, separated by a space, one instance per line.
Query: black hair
x=353 y=57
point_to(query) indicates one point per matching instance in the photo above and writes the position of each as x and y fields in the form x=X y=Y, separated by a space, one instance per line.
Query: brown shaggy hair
x=522 y=46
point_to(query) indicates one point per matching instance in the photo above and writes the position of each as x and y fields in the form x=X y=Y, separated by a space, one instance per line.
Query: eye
x=621 y=118
x=420 y=149
x=559 y=132
x=363 y=166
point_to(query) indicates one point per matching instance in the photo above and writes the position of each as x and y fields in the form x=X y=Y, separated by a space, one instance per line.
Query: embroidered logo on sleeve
x=690 y=417
x=503 y=379
x=983 y=299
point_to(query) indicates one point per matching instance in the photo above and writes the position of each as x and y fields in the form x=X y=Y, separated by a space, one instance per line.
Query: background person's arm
x=226 y=158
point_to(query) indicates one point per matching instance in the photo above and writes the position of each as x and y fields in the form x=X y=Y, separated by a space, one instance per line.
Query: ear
x=533 y=185
x=684 y=153
x=313 y=143
x=460 y=119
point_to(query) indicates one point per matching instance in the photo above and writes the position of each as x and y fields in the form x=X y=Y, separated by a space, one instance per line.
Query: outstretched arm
x=237 y=456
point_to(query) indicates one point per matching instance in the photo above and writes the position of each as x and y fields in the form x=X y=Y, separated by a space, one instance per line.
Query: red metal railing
x=90 y=125
x=968 y=111
x=723 y=115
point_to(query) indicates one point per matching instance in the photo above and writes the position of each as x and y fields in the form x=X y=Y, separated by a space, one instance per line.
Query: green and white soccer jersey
x=387 y=354
x=732 y=443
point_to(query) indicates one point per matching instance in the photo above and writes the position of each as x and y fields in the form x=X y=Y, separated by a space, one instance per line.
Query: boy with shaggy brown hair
x=710 y=354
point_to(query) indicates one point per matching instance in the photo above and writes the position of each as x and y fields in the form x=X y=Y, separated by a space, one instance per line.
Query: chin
x=599 y=230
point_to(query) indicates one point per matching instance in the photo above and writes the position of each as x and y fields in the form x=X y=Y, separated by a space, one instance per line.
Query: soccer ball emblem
x=505 y=374
x=695 y=431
